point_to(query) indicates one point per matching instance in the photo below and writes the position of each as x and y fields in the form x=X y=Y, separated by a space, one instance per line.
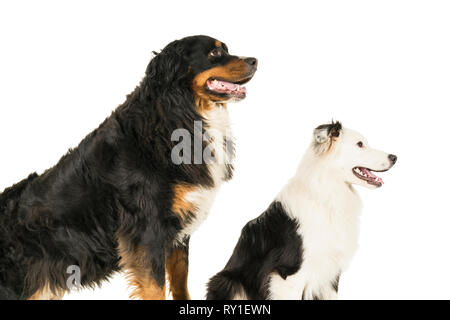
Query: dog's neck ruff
x=324 y=185
x=217 y=125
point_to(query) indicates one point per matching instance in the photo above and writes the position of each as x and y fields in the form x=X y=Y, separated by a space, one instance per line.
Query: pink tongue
x=223 y=86
x=371 y=175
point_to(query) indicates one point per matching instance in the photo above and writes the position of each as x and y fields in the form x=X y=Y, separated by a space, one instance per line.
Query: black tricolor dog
x=118 y=201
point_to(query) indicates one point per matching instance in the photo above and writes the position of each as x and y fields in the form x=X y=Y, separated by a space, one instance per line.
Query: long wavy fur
x=116 y=184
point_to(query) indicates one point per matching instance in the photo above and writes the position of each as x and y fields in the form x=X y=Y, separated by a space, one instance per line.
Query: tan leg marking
x=45 y=293
x=177 y=271
x=138 y=274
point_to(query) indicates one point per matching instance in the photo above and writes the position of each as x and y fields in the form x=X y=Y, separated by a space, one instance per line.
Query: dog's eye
x=217 y=52
x=360 y=144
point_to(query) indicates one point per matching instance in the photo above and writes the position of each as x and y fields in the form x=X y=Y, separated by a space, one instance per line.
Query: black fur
x=335 y=283
x=117 y=183
x=269 y=243
x=333 y=128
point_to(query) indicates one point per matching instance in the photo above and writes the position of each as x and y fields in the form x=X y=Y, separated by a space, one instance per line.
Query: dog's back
x=11 y=194
x=46 y=225
x=9 y=200
x=266 y=245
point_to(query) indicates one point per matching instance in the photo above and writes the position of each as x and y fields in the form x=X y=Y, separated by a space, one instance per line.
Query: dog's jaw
x=368 y=176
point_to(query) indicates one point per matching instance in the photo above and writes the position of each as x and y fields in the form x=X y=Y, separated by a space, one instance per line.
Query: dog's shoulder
x=274 y=229
x=273 y=240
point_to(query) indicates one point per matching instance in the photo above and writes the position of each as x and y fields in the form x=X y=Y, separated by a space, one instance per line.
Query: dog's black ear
x=167 y=69
x=325 y=135
x=168 y=81
x=335 y=129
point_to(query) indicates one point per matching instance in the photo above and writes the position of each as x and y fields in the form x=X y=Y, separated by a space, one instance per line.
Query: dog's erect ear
x=325 y=135
x=320 y=135
x=327 y=131
x=335 y=129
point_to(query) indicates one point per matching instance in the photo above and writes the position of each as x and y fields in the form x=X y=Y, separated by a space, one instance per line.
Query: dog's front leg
x=289 y=288
x=145 y=269
x=177 y=265
x=331 y=292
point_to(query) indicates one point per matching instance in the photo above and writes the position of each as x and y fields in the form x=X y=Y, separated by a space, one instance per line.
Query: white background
x=380 y=67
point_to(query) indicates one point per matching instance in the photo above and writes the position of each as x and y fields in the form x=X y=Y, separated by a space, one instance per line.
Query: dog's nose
x=252 y=62
x=393 y=158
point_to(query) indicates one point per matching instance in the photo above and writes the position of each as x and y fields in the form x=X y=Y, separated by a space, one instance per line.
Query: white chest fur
x=217 y=126
x=329 y=227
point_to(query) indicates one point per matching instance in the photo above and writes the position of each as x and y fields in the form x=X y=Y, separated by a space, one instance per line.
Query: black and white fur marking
x=298 y=248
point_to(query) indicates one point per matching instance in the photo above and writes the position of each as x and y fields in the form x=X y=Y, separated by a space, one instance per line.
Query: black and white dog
x=298 y=248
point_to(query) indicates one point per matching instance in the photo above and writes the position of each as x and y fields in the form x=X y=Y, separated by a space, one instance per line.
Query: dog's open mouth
x=226 y=88
x=368 y=176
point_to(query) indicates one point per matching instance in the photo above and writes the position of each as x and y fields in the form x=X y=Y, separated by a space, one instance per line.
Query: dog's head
x=349 y=152
x=203 y=65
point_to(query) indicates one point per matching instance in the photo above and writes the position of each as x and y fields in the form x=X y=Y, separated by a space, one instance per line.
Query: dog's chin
x=221 y=98
x=227 y=91
x=368 y=185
